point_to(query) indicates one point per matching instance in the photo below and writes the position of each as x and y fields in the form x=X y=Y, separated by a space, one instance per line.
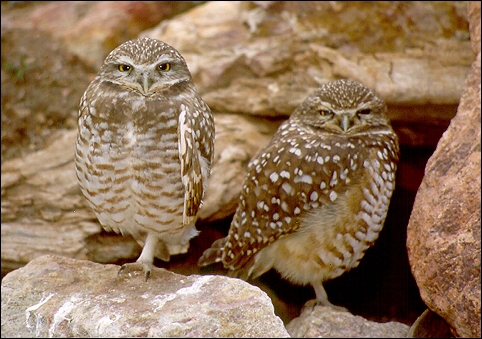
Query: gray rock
x=325 y=322
x=55 y=296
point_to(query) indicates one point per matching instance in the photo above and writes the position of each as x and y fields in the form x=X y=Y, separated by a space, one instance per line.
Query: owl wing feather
x=196 y=153
x=191 y=172
x=300 y=177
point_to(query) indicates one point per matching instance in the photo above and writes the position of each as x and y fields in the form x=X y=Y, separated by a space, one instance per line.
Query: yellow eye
x=325 y=113
x=124 y=68
x=164 y=67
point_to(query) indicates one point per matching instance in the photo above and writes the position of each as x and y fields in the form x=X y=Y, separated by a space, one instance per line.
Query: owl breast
x=128 y=165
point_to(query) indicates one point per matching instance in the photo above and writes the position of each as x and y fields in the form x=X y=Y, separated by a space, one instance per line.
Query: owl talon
x=136 y=266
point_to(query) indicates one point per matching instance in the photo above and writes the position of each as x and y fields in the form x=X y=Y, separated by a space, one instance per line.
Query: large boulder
x=56 y=296
x=443 y=236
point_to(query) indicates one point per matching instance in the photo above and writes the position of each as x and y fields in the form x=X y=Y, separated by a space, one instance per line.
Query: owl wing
x=291 y=177
x=195 y=154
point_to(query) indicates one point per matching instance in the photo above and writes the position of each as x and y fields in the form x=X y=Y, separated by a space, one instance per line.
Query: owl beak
x=146 y=82
x=345 y=122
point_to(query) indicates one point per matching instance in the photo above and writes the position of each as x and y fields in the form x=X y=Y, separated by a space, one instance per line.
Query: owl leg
x=146 y=259
x=322 y=299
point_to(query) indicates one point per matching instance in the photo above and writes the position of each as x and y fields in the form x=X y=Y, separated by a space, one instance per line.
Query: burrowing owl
x=145 y=147
x=315 y=199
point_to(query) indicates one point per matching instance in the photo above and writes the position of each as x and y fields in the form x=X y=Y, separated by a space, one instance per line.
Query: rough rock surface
x=42 y=83
x=443 y=236
x=324 y=322
x=265 y=58
x=55 y=296
x=91 y=29
x=430 y=325
x=43 y=211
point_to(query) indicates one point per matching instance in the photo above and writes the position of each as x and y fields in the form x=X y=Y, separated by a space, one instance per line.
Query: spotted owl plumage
x=144 y=148
x=316 y=197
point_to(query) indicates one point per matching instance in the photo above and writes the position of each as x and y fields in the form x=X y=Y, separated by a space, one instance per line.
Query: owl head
x=146 y=66
x=343 y=107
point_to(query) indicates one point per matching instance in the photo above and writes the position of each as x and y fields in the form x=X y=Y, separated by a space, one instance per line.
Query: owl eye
x=325 y=113
x=124 y=68
x=164 y=67
x=364 y=111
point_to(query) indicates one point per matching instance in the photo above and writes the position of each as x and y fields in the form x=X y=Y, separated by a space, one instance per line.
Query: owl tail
x=214 y=254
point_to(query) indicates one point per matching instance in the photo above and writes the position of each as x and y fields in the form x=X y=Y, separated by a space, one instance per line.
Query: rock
x=55 y=296
x=325 y=322
x=473 y=10
x=43 y=211
x=443 y=235
x=264 y=60
x=42 y=83
x=430 y=325
x=91 y=29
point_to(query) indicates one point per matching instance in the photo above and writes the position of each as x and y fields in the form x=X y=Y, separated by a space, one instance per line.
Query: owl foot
x=146 y=259
x=137 y=266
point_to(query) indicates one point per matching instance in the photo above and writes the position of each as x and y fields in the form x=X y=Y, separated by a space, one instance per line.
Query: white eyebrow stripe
x=126 y=59
x=162 y=59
